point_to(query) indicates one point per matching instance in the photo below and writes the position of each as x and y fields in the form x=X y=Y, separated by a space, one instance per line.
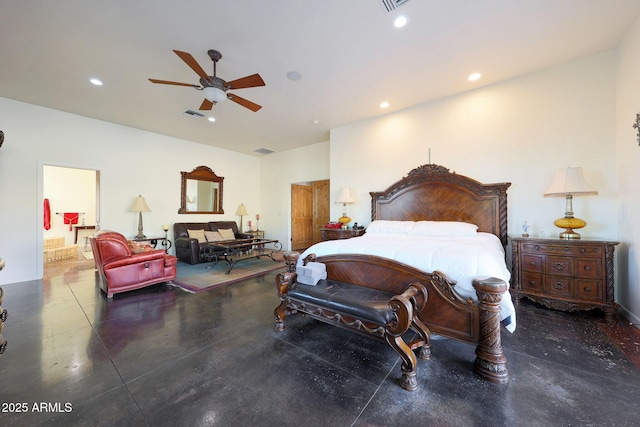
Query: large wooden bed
x=433 y=193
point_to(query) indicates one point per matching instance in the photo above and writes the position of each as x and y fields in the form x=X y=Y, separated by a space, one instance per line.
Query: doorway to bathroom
x=71 y=212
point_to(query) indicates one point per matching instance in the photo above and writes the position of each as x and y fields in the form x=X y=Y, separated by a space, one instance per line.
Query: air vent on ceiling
x=263 y=151
x=391 y=5
x=193 y=114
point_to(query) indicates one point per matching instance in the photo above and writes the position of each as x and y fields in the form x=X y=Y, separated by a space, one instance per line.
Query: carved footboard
x=444 y=313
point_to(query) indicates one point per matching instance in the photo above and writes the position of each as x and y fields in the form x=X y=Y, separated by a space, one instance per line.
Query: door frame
x=40 y=207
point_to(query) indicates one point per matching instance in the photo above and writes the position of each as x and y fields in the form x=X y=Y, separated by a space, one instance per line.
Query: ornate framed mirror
x=201 y=192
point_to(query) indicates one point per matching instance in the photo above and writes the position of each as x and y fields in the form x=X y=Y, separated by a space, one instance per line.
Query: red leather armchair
x=122 y=270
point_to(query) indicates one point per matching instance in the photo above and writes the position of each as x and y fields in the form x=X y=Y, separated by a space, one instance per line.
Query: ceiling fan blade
x=245 y=82
x=191 y=62
x=167 y=82
x=245 y=103
x=206 y=105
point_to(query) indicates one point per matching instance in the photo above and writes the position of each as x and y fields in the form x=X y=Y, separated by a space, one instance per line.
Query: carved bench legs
x=403 y=307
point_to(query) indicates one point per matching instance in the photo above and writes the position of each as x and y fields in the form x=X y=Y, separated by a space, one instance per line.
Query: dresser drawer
x=589 y=290
x=559 y=266
x=532 y=263
x=531 y=281
x=589 y=268
x=556 y=249
x=558 y=286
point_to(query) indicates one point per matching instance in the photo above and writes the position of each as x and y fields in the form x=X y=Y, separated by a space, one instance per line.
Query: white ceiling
x=349 y=55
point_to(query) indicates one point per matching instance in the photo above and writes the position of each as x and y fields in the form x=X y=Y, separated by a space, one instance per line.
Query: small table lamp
x=242 y=211
x=139 y=205
x=344 y=197
x=570 y=182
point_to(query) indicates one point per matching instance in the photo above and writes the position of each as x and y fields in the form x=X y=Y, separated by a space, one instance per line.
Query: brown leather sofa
x=189 y=249
x=122 y=270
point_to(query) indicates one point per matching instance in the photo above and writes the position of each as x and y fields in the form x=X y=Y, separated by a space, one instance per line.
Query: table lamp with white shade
x=569 y=183
x=140 y=205
x=344 y=197
x=242 y=211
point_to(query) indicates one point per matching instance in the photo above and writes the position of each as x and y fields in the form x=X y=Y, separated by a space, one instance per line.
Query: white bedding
x=462 y=258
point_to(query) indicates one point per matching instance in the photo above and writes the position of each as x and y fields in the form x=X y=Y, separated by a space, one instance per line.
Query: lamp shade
x=241 y=210
x=139 y=205
x=345 y=196
x=570 y=181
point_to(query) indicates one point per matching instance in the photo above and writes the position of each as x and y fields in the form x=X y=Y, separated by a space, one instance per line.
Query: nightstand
x=258 y=234
x=339 y=233
x=565 y=275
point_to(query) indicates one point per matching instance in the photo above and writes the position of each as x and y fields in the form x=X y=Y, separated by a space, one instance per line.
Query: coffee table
x=235 y=251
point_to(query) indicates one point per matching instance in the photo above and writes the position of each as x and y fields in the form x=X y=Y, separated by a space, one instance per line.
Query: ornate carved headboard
x=431 y=193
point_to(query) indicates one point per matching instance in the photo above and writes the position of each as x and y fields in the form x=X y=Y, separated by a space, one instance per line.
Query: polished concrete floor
x=165 y=357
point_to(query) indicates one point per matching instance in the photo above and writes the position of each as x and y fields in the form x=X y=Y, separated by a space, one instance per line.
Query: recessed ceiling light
x=474 y=76
x=212 y=119
x=400 y=21
x=96 y=82
x=384 y=104
x=316 y=122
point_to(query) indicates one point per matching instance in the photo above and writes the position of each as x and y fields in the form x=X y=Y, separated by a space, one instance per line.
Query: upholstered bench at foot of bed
x=367 y=311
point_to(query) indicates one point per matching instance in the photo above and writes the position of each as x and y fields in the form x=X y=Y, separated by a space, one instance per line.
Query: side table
x=339 y=233
x=153 y=241
x=565 y=275
x=258 y=234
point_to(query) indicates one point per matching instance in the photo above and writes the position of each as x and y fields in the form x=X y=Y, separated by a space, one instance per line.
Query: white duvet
x=462 y=258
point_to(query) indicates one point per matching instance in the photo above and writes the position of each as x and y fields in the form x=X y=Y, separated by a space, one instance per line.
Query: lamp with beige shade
x=568 y=183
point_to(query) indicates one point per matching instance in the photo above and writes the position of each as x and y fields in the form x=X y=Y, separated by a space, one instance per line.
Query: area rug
x=197 y=278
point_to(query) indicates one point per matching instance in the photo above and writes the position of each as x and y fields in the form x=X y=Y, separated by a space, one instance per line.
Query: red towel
x=47 y=215
x=71 y=218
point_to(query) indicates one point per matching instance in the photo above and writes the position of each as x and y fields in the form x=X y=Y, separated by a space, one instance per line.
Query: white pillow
x=226 y=233
x=197 y=234
x=385 y=226
x=443 y=229
x=213 y=236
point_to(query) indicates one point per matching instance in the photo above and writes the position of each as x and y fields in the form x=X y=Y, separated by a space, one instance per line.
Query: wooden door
x=301 y=217
x=321 y=208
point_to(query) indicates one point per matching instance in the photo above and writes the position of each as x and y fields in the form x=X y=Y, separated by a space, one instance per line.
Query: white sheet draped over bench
x=463 y=254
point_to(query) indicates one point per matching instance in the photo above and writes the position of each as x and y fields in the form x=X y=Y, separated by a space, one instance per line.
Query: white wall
x=628 y=156
x=130 y=162
x=520 y=131
x=278 y=172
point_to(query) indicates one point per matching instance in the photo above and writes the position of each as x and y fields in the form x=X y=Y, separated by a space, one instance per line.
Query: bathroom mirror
x=201 y=192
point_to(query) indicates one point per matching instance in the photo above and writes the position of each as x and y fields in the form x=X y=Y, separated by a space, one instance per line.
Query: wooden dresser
x=338 y=233
x=565 y=275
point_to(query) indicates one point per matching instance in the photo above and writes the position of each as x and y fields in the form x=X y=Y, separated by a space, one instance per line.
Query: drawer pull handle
x=582 y=250
x=567 y=249
x=559 y=265
x=536 y=247
x=532 y=282
x=587 y=289
x=532 y=263
x=587 y=267
x=558 y=285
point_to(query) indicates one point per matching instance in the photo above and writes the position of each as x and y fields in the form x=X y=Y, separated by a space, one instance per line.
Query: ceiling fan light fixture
x=214 y=94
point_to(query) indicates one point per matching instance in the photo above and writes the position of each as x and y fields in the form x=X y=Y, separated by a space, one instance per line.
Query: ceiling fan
x=214 y=88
